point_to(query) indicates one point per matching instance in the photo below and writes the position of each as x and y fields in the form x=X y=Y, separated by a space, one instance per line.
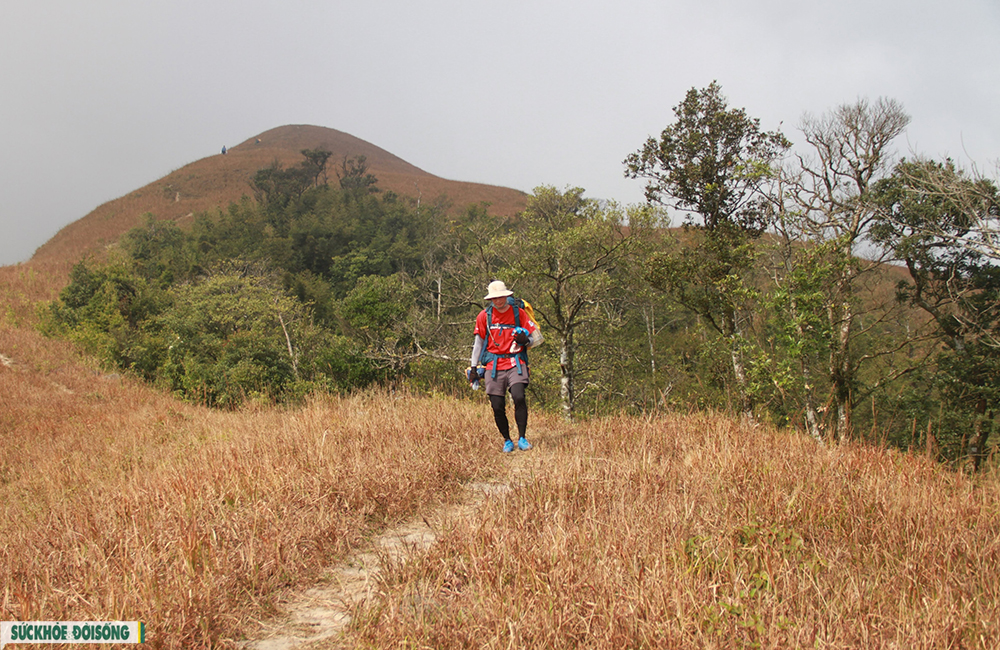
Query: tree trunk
x=291 y=351
x=812 y=419
x=843 y=378
x=745 y=404
x=733 y=336
x=567 y=351
x=841 y=371
x=439 y=298
x=981 y=434
x=650 y=332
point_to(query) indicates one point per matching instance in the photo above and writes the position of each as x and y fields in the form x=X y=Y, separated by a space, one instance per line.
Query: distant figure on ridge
x=223 y=150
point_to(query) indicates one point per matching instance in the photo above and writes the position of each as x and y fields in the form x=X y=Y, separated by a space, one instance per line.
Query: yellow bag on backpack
x=537 y=339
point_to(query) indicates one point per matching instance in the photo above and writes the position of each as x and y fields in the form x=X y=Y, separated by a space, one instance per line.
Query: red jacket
x=501 y=339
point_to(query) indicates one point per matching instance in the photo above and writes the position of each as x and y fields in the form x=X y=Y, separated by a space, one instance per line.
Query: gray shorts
x=505 y=379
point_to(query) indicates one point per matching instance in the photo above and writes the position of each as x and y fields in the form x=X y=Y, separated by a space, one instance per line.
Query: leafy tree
x=241 y=231
x=800 y=330
x=565 y=251
x=234 y=334
x=972 y=222
x=107 y=309
x=315 y=164
x=714 y=163
x=159 y=251
x=931 y=219
x=268 y=298
x=466 y=260
x=355 y=178
x=379 y=312
x=275 y=187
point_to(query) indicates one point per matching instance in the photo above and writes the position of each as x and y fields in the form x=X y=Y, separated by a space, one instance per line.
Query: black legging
x=499 y=404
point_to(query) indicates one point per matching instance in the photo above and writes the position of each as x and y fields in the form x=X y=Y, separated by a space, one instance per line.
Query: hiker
x=504 y=331
x=223 y=150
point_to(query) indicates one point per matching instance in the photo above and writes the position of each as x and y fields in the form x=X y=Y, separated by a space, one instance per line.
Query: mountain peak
x=216 y=181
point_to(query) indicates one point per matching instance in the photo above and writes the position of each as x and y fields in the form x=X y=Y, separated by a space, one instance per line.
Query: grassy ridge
x=137 y=508
x=117 y=502
x=698 y=532
x=683 y=531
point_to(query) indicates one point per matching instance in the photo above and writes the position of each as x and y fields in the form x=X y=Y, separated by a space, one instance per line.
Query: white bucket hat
x=497 y=289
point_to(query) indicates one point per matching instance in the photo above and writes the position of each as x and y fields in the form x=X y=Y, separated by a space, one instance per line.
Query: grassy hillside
x=119 y=503
x=697 y=532
x=220 y=179
x=675 y=531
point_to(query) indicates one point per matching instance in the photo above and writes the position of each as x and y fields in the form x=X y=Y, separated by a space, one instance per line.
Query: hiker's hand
x=472 y=375
x=521 y=336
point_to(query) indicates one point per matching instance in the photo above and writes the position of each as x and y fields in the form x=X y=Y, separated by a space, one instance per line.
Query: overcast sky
x=99 y=98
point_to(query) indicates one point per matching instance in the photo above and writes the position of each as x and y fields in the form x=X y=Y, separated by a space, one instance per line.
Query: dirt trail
x=321 y=612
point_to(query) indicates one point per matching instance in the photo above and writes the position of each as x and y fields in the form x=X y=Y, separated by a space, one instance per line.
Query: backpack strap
x=488 y=357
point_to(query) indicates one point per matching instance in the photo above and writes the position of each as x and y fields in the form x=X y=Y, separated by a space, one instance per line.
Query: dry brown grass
x=693 y=531
x=195 y=521
x=119 y=503
x=24 y=286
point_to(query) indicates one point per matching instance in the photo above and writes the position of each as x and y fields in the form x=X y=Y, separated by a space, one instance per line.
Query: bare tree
x=830 y=196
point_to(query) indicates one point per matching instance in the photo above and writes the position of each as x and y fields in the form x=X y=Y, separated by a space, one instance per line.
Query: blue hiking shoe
x=508 y=446
x=523 y=444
